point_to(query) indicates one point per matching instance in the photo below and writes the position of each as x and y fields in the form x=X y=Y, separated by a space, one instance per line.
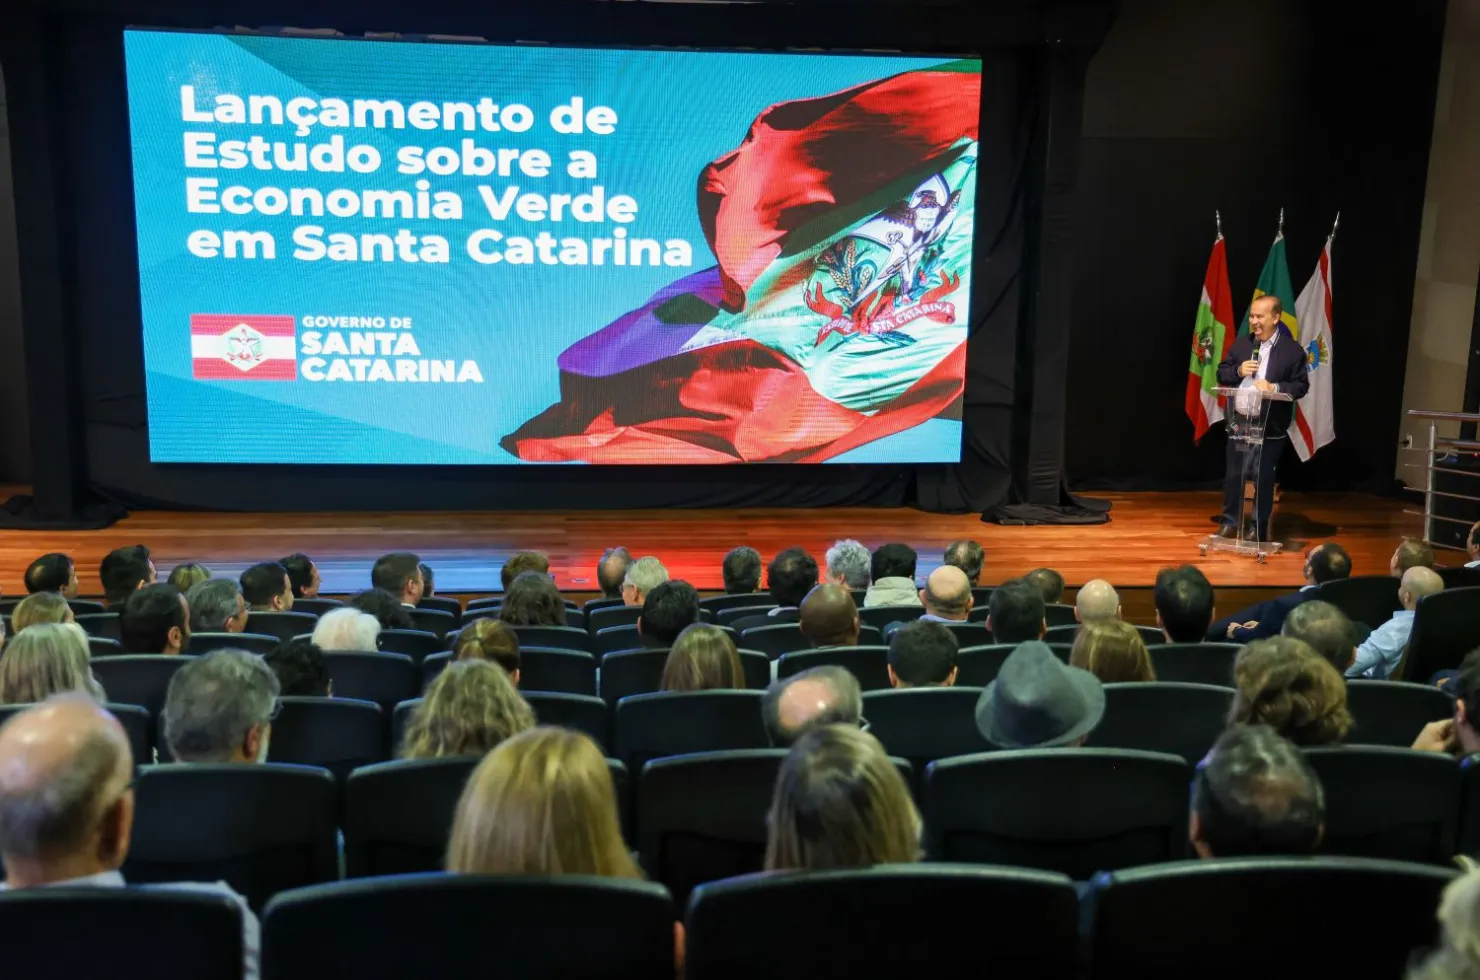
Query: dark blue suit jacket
x=1287 y=369
x=1270 y=615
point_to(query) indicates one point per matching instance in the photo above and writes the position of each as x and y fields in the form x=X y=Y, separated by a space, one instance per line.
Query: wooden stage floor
x=1147 y=531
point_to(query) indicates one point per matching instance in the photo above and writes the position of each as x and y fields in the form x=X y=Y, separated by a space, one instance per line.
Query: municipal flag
x=1211 y=338
x=235 y=347
x=1315 y=423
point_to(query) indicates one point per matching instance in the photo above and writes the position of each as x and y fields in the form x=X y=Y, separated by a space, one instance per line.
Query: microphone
x=1255 y=356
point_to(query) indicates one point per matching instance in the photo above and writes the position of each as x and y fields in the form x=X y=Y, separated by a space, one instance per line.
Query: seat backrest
x=580 y=712
x=757 y=669
x=1163 y=716
x=201 y=644
x=416 y=644
x=1446 y=626
x=1059 y=614
x=775 y=640
x=649 y=726
x=600 y=619
x=336 y=733
x=631 y=672
x=923 y=724
x=968 y=634
x=1061 y=634
x=743 y=927
x=607 y=928
x=1460 y=577
x=870 y=665
x=318 y=605
x=881 y=616
x=978 y=666
x=384 y=678
x=1468 y=841
x=99 y=646
x=743 y=600
x=729 y=616
x=100 y=624
x=1195 y=663
x=1393 y=712
x=282 y=625
x=39 y=933
x=138 y=678
x=385 y=836
x=486 y=602
x=592 y=604
x=259 y=828
x=438 y=622
x=566 y=671
x=440 y=603
x=1076 y=811
x=611 y=639
x=1152 y=923
x=1368 y=599
x=1385 y=802
x=82 y=607
x=555 y=637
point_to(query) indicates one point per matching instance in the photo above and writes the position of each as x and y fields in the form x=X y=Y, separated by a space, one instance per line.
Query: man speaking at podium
x=1269 y=359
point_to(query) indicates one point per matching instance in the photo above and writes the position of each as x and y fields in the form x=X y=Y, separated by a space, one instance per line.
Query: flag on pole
x=1211 y=338
x=1274 y=280
x=1315 y=424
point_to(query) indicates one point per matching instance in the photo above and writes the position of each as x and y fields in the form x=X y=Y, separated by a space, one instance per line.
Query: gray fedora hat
x=1037 y=701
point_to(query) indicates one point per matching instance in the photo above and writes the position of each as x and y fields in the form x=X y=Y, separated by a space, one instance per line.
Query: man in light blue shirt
x=67 y=805
x=1380 y=653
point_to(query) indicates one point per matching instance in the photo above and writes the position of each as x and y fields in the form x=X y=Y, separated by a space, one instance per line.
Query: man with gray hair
x=1327 y=629
x=741 y=570
x=967 y=556
x=1097 y=601
x=1255 y=794
x=217 y=606
x=797 y=704
x=220 y=707
x=67 y=805
x=642 y=577
x=848 y=564
x=611 y=569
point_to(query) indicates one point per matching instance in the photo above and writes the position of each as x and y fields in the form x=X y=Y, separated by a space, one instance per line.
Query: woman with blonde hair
x=840 y=803
x=47 y=659
x=1457 y=956
x=41 y=607
x=1113 y=651
x=490 y=639
x=471 y=707
x=703 y=658
x=184 y=577
x=1283 y=683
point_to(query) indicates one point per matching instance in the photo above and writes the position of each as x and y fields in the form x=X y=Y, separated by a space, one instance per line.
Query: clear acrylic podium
x=1245 y=412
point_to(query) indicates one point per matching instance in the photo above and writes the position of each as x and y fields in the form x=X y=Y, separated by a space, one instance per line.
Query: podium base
x=1249 y=548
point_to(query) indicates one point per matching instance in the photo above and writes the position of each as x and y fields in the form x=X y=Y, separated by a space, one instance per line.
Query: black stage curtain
x=64 y=70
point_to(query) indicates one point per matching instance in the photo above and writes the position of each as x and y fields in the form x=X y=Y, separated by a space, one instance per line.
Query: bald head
x=829 y=617
x=1097 y=600
x=821 y=696
x=947 y=593
x=1417 y=583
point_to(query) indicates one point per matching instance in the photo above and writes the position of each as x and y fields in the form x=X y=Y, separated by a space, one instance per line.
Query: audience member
x=1457 y=957
x=1097 y=601
x=893 y=572
x=490 y=639
x=53 y=573
x=187 y=576
x=40 y=607
x=1113 y=651
x=1184 y=604
x=611 y=572
x=741 y=571
x=67 y=805
x=967 y=556
x=220 y=708
x=1411 y=553
x=1049 y=583
x=947 y=596
x=217 y=606
x=642 y=576
x=471 y=707
x=532 y=600
x=1015 y=613
x=848 y=564
x=521 y=562
x=347 y=630
x=1472 y=547
x=47 y=659
x=1038 y=702
x=1379 y=655
x=669 y=609
x=301 y=669
x=124 y=570
x=922 y=654
x=155 y=619
x=703 y=658
x=1255 y=795
x=266 y=588
x=304 y=575
x=840 y=803
x=1283 y=683
x=819 y=696
x=1324 y=563
x=791 y=575
x=385 y=607
x=428 y=580
x=398 y=573
x=1326 y=629
x=829 y=616
x=1457 y=734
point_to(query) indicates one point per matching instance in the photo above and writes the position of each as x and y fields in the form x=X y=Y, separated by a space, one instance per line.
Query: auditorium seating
x=416 y=644
x=1446 y=626
x=201 y=644
x=925 y=723
x=1163 y=716
x=648 y=726
x=336 y=733
x=600 y=619
x=1235 y=918
x=317 y=606
x=1392 y=712
x=631 y=672
x=1074 y=812
x=968 y=634
x=100 y=624
x=138 y=678
x=1195 y=663
x=569 y=671
x=281 y=625
x=1460 y=577
x=1059 y=614
x=1369 y=600
x=578 y=711
x=574 y=618
x=886 y=922
x=438 y=622
x=881 y=616
x=102 y=646
x=398 y=815
x=978 y=666
x=869 y=664
x=1468 y=841
x=442 y=603
x=554 y=637
x=1387 y=802
x=728 y=615
x=464 y=925
x=612 y=639
x=1150 y=635
x=782 y=638
x=716 y=604
x=385 y=678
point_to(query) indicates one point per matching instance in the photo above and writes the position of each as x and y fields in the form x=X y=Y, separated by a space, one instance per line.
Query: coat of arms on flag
x=231 y=347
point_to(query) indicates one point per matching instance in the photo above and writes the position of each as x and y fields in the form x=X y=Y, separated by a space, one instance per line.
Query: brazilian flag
x=1274 y=280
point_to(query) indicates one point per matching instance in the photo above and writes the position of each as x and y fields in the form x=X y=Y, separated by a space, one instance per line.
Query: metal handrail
x=1439 y=448
x=1419 y=413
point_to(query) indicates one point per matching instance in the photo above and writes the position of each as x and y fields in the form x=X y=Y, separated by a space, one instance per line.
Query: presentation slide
x=414 y=252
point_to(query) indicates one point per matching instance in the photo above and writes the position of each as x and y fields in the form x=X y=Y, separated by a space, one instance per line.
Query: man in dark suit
x=1323 y=563
x=1268 y=359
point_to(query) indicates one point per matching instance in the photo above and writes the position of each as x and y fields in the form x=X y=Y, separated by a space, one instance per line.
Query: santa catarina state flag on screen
x=234 y=347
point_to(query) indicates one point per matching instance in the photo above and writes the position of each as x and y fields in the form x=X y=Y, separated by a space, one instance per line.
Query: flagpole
x=1280 y=233
x=1334 y=225
x=1218 y=221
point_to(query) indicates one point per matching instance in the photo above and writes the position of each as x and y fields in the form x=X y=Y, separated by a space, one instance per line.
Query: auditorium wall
x=15 y=436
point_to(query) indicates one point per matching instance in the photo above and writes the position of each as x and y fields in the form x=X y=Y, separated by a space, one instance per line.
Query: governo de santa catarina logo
x=243 y=347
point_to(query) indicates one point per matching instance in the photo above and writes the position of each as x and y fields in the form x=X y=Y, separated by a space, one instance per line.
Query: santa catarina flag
x=1315 y=422
x=237 y=347
x=1211 y=337
x=1274 y=280
x=836 y=312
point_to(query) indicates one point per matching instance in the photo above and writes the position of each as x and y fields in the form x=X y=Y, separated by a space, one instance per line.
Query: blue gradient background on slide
x=677 y=112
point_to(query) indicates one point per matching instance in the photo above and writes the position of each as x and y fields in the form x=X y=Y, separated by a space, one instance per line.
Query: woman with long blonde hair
x=47 y=659
x=471 y=707
x=41 y=607
x=703 y=658
x=1113 y=651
